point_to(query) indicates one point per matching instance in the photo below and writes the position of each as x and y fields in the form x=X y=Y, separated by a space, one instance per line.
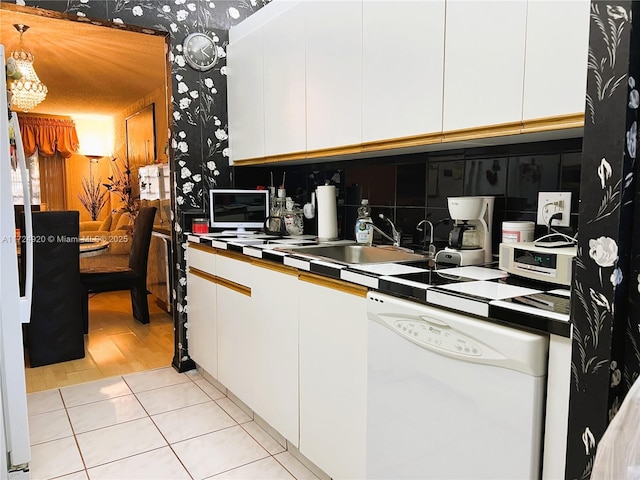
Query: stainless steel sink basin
x=357 y=254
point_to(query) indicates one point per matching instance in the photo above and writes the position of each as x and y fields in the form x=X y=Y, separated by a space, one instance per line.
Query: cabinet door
x=556 y=61
x=284 y=83
x=236 y=361
x=403 y=62
x=333 y=73
x=245 y=96
x=275 y=302
x=202 y=331
x=483 y=63
x=333 y=373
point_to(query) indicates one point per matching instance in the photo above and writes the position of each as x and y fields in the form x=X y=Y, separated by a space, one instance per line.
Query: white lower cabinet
x=274 y=298
x=333 y=373
x=290 y=345
x=202 y=323
x=234 y=312
x=202 y=331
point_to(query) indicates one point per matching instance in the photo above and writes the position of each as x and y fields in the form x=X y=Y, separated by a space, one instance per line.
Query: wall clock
x=200 y=51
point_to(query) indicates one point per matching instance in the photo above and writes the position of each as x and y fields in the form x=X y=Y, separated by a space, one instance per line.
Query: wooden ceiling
x=88 y=69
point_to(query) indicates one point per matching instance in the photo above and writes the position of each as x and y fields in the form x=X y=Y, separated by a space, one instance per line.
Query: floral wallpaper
x=605 y=356
x=199 y=147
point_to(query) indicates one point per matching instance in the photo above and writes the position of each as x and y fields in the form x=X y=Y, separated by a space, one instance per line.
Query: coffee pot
x=464 y=236
x=470 y=237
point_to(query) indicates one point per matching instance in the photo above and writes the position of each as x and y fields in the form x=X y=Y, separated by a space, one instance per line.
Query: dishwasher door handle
x=434 y=321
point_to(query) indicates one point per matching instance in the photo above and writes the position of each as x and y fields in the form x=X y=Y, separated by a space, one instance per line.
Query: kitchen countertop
x=482 y=291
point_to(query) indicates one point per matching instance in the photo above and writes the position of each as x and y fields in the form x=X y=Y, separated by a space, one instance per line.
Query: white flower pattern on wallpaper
x=616 y=277
x=632 y=139
x=634 y=97
x=616 y=374
x=604 y=172
x=603 y=68
x=588 y=440
x=597 y=310
x=603 y=251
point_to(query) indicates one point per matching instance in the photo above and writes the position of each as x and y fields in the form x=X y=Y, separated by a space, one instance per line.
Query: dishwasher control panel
x=434 y=336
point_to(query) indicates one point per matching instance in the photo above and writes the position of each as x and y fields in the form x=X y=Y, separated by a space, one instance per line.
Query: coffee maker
x=470 y=237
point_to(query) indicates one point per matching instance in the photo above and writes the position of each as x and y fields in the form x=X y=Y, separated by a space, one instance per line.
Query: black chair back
x=55 y=333
x=141 y=240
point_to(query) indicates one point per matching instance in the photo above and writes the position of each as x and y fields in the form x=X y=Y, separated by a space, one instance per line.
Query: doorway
x=101 y=70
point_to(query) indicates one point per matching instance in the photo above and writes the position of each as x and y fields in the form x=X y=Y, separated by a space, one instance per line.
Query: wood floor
x=117 y=344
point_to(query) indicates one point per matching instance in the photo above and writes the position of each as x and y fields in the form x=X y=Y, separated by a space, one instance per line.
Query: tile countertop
x=482 y=291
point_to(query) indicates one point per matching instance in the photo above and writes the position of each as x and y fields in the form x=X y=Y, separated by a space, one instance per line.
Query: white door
x=13 y=309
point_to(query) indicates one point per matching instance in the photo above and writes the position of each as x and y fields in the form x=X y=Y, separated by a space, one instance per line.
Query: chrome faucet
x=381 y=232
x=432 y=247
x=396 y=234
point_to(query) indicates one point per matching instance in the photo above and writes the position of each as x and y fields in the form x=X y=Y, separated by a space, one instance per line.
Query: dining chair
x=133 y=277
x=54 y=333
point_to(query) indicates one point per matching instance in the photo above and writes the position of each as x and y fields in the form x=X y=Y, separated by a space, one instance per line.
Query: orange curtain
x=48 y=136
x=52 y=182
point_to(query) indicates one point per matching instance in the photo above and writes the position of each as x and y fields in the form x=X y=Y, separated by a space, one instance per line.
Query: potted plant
x=93 y=197
x=120 y=184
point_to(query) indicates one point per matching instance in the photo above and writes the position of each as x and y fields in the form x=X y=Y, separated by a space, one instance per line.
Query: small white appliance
x=15 y=310
x=530 y=260
x=470 y=237
x=451 y=396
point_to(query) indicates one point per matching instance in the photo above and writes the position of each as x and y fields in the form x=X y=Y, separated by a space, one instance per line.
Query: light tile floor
x=157 y=424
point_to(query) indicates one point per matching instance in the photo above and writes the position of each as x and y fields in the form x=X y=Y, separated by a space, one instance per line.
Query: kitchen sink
x=357 y=254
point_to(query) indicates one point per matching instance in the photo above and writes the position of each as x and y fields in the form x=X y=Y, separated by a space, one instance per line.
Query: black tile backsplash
x=409 y=188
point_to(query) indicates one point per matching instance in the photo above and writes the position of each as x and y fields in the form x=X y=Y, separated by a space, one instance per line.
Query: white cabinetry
x=245 y=96
x=201 y=288
x=484 y=63
x=234 y=310
x=555 y=78
x=402 y=68
x=275 y=374
x=284 y=83
x=333 y=373
x=333 y=73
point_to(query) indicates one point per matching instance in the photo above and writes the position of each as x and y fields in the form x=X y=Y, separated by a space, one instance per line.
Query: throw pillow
x=123 y=222
x=106 y=224
x=115 y=218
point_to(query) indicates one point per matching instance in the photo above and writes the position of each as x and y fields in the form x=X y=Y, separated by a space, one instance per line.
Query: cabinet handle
x=236 y=287
x=276 y=267
x=204 y=275
x=203 y=248
x=339 y=285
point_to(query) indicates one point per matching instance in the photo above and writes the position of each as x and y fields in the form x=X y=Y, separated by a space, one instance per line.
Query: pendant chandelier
x=27 y=91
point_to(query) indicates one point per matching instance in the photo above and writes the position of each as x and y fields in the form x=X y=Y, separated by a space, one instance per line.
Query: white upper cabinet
x=245 y=96
x=403 y=61
x=284 y=83
x=556 y=58
x=484 y=62
x=333 y=73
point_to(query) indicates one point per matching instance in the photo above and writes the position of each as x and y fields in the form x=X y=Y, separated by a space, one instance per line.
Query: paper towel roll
x=327 y=212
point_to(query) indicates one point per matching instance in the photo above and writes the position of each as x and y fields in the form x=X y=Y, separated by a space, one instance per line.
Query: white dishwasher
x=450 y=396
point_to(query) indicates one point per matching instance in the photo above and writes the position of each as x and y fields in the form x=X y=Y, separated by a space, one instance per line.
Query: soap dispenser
x=363 y=230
